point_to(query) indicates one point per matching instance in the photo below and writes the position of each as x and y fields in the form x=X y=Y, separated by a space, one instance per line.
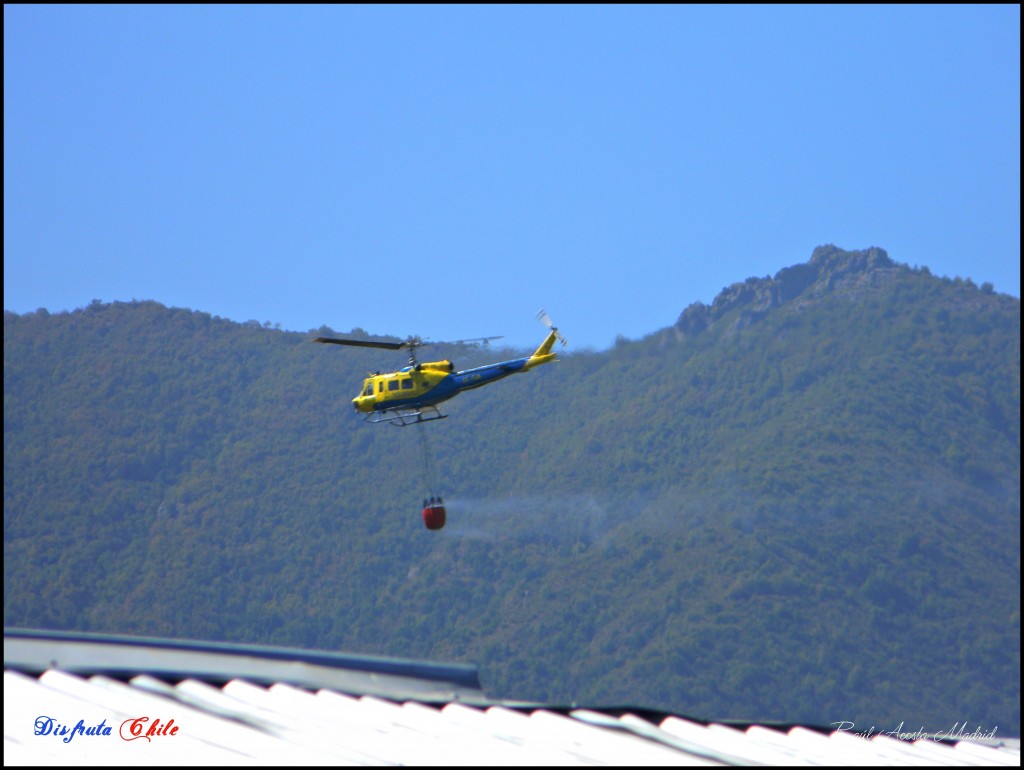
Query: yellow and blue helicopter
x=411 y=394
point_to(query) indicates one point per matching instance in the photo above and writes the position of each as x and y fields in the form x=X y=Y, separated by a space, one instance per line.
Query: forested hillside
x=799 y=503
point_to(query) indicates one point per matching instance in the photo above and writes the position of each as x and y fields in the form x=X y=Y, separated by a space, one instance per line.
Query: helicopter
x=411 y=395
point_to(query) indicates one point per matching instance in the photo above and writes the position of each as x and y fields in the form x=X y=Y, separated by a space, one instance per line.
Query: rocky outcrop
x=829 y=270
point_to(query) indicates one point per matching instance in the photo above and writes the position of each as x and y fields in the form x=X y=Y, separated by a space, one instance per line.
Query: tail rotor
x=545 y=319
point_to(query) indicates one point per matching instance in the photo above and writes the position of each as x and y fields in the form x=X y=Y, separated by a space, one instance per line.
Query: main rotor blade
x=362 y=343
x=412 y=343
x=459 y=342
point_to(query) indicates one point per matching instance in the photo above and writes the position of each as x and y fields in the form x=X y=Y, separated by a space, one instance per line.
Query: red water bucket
x=433 y=516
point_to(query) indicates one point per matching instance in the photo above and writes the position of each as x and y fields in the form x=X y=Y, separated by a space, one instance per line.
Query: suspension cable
x=429 y=472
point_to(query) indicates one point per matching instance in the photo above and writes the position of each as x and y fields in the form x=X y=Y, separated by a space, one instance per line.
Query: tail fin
x=543 y=354
x=546 y=345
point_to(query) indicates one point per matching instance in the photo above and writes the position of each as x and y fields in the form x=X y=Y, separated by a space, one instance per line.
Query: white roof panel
x=731 y=742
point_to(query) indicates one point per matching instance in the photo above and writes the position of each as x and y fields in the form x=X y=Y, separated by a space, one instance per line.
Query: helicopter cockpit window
x=368 y=390
x=406 y=384
x=392 y=384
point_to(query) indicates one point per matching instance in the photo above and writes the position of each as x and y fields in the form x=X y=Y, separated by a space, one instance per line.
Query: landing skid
x=400 y=418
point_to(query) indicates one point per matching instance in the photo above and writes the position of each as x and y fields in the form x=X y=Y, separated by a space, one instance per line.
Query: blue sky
x=446 y=171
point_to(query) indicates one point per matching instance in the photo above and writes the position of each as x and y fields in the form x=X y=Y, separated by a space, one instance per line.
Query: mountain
x=799 y=503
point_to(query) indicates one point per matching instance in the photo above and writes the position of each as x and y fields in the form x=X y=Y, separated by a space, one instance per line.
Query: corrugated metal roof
x=101 y=713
